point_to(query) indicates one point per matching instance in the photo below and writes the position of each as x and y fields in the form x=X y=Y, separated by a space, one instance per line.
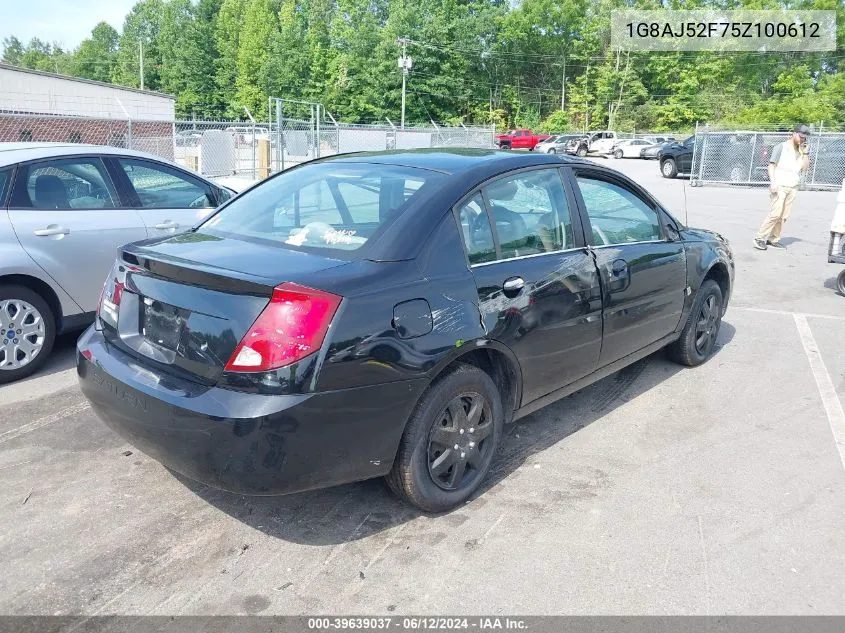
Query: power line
x=485 y=84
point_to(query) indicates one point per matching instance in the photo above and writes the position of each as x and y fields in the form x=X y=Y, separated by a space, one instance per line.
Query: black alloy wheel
x=458 y=444
x=706 y=326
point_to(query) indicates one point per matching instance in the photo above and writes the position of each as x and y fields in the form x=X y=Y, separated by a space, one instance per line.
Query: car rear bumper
x=242 y=442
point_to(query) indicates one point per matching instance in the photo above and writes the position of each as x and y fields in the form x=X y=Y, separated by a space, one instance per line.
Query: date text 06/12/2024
x=416 y=624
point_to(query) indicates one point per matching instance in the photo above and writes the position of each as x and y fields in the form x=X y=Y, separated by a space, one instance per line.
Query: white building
x=34 y=92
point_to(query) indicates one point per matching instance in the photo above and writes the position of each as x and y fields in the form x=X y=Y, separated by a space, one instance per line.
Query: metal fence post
x=280 y=142
x=317 y=143
x=753 y=154
x=437 y=134
x=336 y=129
x=703 y=154
x=816 y=155
x=695 y=157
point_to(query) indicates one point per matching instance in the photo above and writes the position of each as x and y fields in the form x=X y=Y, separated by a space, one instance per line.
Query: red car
x=520 y=139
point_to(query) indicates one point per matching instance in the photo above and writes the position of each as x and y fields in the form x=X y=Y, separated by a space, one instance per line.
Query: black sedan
x=386 y=314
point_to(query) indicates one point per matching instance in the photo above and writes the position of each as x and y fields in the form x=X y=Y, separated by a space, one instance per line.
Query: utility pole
x=587 y=98
x=405 y=64
x=141 y=58
x=563 y=86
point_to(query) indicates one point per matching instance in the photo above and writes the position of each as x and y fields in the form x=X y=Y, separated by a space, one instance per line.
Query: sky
x=65 y=21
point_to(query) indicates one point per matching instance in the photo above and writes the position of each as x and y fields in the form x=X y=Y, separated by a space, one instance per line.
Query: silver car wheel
x=22 y=333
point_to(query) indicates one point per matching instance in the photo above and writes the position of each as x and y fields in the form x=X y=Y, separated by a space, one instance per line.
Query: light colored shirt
x=788 y=162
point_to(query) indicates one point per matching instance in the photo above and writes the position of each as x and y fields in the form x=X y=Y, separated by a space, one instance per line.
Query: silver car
x=64 y=211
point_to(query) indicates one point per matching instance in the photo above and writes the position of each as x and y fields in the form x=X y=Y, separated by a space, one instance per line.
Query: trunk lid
x=182 y=304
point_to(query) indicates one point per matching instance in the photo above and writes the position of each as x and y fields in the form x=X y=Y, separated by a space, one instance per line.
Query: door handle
x=513 y=285
x=167 y=224
x=619 y=267
x=51 y=230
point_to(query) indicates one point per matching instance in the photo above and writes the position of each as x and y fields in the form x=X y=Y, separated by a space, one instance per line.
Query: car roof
x=453 y=160
x=11 y=153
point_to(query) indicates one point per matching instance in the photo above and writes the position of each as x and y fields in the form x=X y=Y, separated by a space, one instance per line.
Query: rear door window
x=324 y=206
x=530 y=213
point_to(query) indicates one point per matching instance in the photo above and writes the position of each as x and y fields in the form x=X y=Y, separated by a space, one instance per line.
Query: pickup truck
x=519 y=139
x=592 y=143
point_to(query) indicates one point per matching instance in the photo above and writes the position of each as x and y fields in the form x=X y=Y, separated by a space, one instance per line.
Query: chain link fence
x=155 y=137
x=201 y=146
x=741 y=157
x=241 y=148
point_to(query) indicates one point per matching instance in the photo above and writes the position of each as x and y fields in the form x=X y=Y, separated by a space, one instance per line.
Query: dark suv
x=676 y=158
x=386 y=314
x=729 y=157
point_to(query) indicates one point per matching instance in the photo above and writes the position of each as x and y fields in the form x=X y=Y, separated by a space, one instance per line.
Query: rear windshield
x=338 y=206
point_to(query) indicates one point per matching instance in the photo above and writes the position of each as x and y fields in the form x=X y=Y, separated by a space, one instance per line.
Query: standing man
x=786 y=163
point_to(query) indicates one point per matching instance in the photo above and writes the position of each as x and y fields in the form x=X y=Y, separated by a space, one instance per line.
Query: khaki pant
x=781 y=203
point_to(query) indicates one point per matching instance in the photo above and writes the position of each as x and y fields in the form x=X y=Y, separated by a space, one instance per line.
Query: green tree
x=227 y=34
x=257 y=34
x=289 y=60
x=141 y=35
x=13 y=50
x=96 y=57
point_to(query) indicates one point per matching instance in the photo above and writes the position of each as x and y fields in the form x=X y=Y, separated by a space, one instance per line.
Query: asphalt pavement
x=659 y=490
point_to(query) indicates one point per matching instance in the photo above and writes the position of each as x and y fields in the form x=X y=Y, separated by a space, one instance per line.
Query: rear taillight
x=109 y=304
x=292 y=326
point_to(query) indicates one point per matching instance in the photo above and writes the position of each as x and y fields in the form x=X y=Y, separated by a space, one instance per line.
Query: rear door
x=643 y=272
x=635 y=147
x=603 y=143
x=168 y=199
x=538 y=288
x=685 y=155
x=69 y=218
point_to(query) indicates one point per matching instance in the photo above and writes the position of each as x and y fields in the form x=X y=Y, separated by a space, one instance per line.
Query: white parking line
x=788 y=313
x=830 y=400
x=42 y=422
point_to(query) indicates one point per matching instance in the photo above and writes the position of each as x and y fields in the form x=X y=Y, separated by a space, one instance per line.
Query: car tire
x=618 y=154
x=840 y=283
x=668 y=168
x=417 y=475
x=581 y=151
x=698 y=338
x=505 y=146
x=45 y=336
